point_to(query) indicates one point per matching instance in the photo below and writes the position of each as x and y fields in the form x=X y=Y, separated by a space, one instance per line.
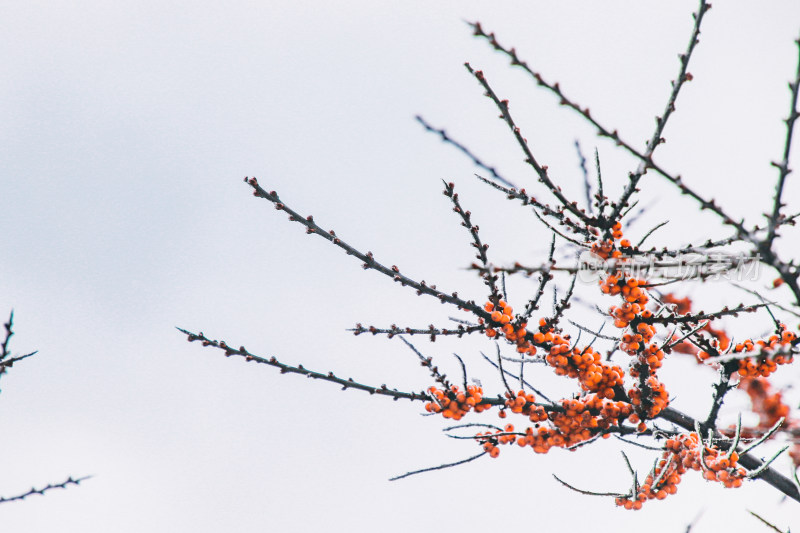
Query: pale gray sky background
x=126 y=129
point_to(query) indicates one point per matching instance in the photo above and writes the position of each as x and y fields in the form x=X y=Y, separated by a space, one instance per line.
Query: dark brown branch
x=693 y=319
x=466 y=221
x=603 y=131
x=383 y=390
x=783 y=166
x=4 y=353
x=8 y=363
x=439 y=467
x=771 y=476
x=41 y=491
x=587 y=188
x=463 y=149
x=431 y=331
x=661 y=122
x=523 y=197
x=541 y=170
x=369 y=261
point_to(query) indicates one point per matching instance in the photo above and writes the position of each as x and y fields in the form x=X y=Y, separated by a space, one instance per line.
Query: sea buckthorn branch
x=740 y=358
x=597 y=334
x=648 y=395
x=63 y=485
x=767 y=523
x=751 y=463
x=649 y=233
x=707 y=247
x=669 y=345
x=8 y=363
x=383 y=390
x=762 y=357
x=439 y=467
x=312 y=228
x=783 y=166
x=691 y=451
x=427 y=362
x=699 y=317
x=757 y=472
x=606 y=402
x=463 y=370
x=587 y=187
x=6 y=359
x=602 y=131
x=661 y=122
x=789 y=273
x=721 y=388
x=463 y=149
x=602 y=199
x=557 y=232
x=369 y=261
x=513 y=193
x=589 y=492
x=501 y=369
x=522 y=381
x=431 y=331
x=655 y=433
x=562 y=306
x=618 y=496
x=4 y=353
x=758 y=442
x=541 y=170
x=544 y=277
x=466 y=220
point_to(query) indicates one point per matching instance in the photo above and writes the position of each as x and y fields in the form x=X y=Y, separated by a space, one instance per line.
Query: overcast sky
x=126 y=129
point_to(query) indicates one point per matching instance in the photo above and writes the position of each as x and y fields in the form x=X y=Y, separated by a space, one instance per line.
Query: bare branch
x=41 y=491
x=440 y=467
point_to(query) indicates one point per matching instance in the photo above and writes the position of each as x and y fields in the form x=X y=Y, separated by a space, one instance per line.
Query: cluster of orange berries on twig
x=489 y=445
x=648 y=395
x=686 y=452
x=774 y=351
x=752 y=371
x=578 y=420
x=571 y=422
x=455 y=403
x=584 y=364
x=649 y=400
x=502 y=315
x=770 y=407
x=524 y=403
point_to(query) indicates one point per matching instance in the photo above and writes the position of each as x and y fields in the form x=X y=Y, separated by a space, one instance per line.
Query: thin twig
x=440 y=467
x=41 y=491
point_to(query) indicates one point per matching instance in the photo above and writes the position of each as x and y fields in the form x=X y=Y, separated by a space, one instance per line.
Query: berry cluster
x=577 y=421
x=770 y=407
x=503 y=318
x=455 y=403
x=606 y=248
x=582 y=364
x=491 y=440
x=585 y=364
x=774 y=351
x=524 y=403
x=649 y=399
x=648 y=395
x=686 y=452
